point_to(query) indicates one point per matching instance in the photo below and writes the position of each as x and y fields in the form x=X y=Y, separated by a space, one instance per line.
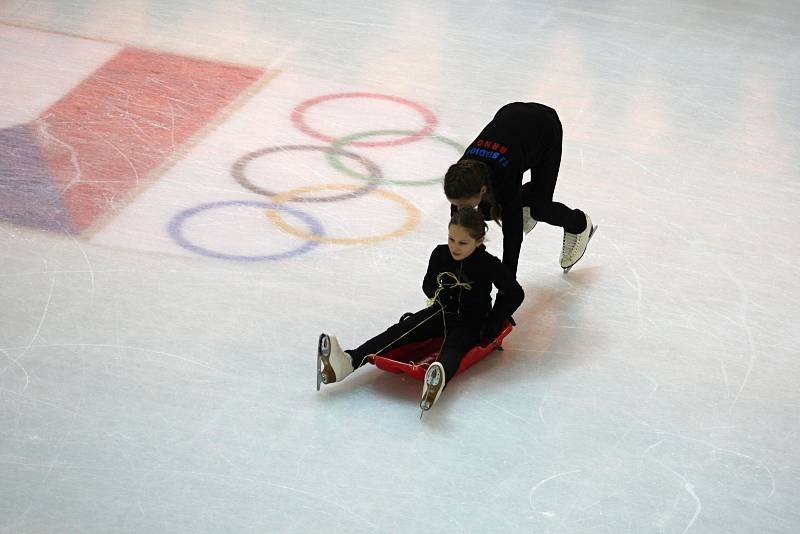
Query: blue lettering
x=488 y=154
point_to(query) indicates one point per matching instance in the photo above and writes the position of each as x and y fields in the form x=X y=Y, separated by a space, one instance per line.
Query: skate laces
x=570 y=240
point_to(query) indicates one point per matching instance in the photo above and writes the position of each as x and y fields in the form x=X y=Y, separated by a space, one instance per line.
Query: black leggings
x=425 y=324
x=538 y=193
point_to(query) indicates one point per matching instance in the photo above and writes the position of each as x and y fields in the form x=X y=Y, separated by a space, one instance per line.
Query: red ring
x=299 y=121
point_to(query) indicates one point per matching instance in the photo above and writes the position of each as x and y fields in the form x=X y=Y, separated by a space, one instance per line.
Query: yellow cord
x=440 y=283
x=433 y=300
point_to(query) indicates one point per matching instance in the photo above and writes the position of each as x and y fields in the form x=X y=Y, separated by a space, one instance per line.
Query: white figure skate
x=528 y=222
x=333 y=364
x=432 y=387
x=574 y=245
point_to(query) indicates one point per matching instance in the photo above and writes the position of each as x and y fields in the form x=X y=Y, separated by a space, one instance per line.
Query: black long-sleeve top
x=481 y=270
x=512 y=143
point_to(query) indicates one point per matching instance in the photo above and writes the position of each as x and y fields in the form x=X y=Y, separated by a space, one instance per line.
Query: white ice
x=655 y=388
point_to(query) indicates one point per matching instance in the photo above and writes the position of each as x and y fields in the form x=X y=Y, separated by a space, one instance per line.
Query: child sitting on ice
x=458 y=283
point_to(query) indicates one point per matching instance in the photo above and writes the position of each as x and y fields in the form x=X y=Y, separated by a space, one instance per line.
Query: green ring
x=336 y=163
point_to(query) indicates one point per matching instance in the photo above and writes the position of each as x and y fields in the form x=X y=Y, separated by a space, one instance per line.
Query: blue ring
x=176 y=224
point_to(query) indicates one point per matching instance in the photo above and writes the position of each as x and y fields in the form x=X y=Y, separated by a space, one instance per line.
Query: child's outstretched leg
x=333 y=364
x=418 y=326
x=461 y=337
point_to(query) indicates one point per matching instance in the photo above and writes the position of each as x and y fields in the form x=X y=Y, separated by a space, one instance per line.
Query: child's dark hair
x=472 y=220
x=465 y=179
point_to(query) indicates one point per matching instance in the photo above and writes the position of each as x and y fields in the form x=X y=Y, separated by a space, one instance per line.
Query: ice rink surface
x=190 y=192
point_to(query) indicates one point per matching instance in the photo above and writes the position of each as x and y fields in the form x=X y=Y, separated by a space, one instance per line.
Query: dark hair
x=465 y=179
x=472 y=220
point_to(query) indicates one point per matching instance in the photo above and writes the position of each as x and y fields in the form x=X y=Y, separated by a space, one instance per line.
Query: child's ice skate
x=528 y=222
x=333 y=364
x=432 y=387
x=575 y=245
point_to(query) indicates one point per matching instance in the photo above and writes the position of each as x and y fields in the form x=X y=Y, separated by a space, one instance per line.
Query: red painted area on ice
x=106 y=136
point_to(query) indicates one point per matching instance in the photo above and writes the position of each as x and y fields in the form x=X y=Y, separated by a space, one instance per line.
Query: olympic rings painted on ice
x=412 y=216
x=350 y=140
x=334 y=152
x=176 y=230
x=298 y=118
x=239 y=168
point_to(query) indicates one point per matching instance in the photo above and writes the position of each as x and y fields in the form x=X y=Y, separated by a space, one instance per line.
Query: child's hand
x=491 y=329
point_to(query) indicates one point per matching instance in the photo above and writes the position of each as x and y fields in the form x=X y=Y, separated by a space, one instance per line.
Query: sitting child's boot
x=433 y=386
x=333 y=364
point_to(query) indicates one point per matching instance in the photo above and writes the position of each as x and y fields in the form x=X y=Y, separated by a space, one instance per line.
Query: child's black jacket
x=481 y=270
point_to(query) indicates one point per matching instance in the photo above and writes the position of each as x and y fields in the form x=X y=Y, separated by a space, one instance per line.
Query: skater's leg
x=424 y=324
x=538 y=193
x=334 y=364
x=460 y=339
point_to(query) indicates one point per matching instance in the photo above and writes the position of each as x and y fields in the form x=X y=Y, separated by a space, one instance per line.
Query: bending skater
x=521 y=136
x=458 y=283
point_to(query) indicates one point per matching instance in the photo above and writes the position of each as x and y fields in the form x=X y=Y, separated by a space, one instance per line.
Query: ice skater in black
x=458 y=282
x=521 y=136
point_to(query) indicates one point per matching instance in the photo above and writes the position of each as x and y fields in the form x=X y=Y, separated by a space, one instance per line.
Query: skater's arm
x=512 y=235
x=429 y=284
x=509 y=297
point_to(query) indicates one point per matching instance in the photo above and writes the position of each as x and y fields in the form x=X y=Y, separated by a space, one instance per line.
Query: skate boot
x=433 y=386
x=333 y=364
x=528 y=222
x=575 y=245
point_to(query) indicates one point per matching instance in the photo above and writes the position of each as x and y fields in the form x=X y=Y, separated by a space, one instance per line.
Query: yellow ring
x=412 y=215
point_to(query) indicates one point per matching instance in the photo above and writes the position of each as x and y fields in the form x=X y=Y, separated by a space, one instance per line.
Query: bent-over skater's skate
x=574 y=245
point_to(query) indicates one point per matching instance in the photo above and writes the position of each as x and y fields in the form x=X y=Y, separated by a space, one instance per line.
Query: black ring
x=238 y=171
